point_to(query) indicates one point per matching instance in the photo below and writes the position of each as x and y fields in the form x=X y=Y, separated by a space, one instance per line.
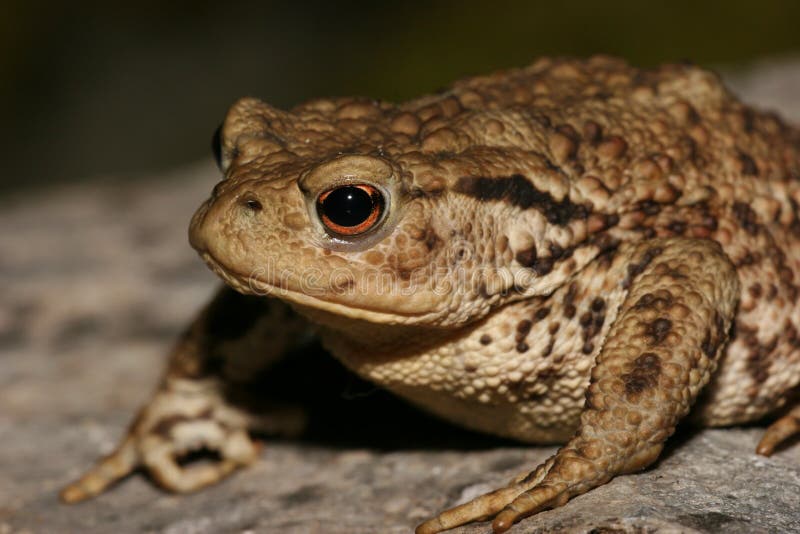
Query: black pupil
x=348 y=206
x=216 y=146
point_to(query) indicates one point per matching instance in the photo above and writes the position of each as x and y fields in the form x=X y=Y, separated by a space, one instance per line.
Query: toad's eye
x=216 y=147
x=351 y=209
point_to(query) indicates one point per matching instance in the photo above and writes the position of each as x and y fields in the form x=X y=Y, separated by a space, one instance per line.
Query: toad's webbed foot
x=182 y=419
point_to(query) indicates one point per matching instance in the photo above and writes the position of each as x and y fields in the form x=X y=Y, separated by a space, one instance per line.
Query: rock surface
x=96 y=281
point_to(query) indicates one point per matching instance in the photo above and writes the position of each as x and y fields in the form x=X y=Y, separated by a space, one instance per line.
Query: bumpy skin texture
x=576 y=251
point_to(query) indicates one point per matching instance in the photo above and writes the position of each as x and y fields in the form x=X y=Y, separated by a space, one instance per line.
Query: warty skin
x=577 y=252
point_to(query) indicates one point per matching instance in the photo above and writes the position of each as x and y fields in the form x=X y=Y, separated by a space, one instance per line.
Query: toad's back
x=665 y=152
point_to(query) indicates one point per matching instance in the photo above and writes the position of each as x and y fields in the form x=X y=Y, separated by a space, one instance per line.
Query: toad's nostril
x=251 y=203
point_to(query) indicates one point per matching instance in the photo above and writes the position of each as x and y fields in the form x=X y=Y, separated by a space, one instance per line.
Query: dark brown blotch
x=658 y=330
x=611 y=219
x=592 y=132
x=543 y=266
x=567 y=130
x=591 y=322
x=677 y=227
x=759 y=357
x=572 y=291
x=549 y=348
x=675 y=274
x=557 y=252
x=748 y=259
x=569 y=301
x=541 y=313
x=644 y=373
x=759 y=361
x=709 y=222
x=520 y=192
x=648 y=232
x=527 y=257
x=432 y=240
x=650 y=207
x=755 y=290
x=692 y=115
x=792 y=336
x=605 y=259
x=794 y=225
x=660 y=302
x=772 y=292
x=746 y=217
x=635 y=269
x=747 y=164
x=485 y=339
x=524 y=326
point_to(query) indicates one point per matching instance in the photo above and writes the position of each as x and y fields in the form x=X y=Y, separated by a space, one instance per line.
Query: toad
x=576 y=252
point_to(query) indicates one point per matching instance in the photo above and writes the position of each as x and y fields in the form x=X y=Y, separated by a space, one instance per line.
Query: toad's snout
x=222 y=215
x=246 y=226
x=225 y=218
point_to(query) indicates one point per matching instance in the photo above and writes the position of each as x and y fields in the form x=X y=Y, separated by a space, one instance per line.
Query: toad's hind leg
x=233 y=340
x=780 y=431
x=660 y=351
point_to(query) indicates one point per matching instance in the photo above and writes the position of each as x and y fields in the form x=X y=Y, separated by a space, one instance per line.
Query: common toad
x=578 y=252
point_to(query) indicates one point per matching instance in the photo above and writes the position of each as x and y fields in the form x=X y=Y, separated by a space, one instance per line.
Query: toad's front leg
x=234 y=339
x=659 y=353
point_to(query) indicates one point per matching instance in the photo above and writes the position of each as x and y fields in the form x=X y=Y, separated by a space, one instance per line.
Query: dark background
x=118 y=90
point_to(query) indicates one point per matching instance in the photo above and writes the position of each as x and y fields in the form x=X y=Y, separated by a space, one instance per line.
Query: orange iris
x=350 y=209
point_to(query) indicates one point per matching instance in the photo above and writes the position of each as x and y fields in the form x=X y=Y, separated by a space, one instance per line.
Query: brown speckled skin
x=573 y=252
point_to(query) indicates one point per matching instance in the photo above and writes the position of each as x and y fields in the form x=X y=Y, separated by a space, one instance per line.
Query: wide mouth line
x=255 y=285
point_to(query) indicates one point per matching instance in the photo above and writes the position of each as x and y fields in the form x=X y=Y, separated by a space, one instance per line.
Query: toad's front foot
x=576 y=469
x=183 y=418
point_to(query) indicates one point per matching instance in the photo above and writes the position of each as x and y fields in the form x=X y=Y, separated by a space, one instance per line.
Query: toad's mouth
x=254 y=284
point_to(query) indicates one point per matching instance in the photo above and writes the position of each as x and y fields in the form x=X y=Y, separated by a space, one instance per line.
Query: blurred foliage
x=121 y=89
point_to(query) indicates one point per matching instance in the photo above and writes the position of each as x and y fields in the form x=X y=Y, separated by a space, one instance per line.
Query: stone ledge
x=83 y=328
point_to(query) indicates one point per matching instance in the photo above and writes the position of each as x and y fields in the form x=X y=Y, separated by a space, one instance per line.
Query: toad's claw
x=779 y=431
x=485 y=506
x=477 y=509
x=534 y=492
x=528 y=503
x=105 y=472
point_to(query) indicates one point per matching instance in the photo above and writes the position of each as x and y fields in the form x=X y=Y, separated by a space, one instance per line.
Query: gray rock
x=97 y=281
